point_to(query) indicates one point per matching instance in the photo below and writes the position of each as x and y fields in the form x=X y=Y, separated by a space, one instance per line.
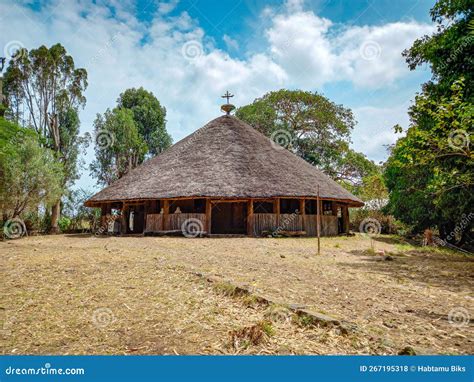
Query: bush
x=64 y=223
x=388 y=223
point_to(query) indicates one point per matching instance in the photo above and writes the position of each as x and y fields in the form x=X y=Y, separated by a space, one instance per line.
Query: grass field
x=78 y=294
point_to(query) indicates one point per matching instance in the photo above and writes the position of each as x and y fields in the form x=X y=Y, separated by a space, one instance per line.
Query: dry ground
x=78 y=294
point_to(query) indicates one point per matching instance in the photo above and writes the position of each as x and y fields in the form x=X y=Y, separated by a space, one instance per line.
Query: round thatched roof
x=227 y=158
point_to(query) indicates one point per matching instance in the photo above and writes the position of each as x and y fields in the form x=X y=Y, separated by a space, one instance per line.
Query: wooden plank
x=318 y=222
x=124 y=219
x=349 y=202
x=276 y=210
x=250 y=223
x=264 y=222
x=345 y=218
x=166 y=211
x=208 y=215
x=303 y=213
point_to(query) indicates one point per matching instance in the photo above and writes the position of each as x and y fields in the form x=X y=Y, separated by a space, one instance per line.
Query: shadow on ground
x=451 y=272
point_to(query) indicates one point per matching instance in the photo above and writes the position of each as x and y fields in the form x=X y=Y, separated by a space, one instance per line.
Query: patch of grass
x=267 y=328
x=227 y=289
x=251 y=300
x=369 y=252
x=251 y=335
x=303 y=320
x=337 y=246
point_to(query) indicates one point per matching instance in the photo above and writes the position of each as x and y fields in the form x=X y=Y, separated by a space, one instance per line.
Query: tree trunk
x=55 y=213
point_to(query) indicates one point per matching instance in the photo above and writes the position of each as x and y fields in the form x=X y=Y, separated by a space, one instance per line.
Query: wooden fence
x=154 y=222
x=264 y=222
x=175 y=221
x=294 y=222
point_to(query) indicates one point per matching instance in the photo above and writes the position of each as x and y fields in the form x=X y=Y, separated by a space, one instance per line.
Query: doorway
x=229 y=218
x=136 y=219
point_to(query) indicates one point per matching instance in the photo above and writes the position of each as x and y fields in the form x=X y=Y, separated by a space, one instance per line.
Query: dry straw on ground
x=86 y=295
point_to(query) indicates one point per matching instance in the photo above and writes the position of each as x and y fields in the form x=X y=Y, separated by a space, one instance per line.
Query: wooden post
x=208 y=216
x=318 y=222
x=345 y=218
x=302 y=213
x=124 y=219
x=103 y=217
x=166 y=211
x=277 y=211
x=250 y=227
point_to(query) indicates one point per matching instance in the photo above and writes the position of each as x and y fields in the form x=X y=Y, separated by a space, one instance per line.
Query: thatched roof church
x=226 y=178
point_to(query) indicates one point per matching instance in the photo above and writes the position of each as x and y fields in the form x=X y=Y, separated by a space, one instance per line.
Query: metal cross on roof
x=227 y=95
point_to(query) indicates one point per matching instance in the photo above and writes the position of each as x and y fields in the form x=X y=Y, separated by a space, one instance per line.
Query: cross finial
x=227 y=95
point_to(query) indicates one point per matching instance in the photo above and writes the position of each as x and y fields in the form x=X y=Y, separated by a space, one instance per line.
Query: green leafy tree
x=45 y=83
x=30 y=175
x=119 y=146
x=149 y=116
x=312 y=127
x=429 y=171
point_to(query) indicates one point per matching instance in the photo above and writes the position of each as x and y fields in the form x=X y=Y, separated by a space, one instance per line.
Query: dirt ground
x=79 y=294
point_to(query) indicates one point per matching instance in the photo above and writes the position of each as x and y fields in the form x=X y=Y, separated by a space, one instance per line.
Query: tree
x=29 y=173
x=312 y=127
x=46 y=83
x=429 y=171
x=119 y=146
x=149 y=116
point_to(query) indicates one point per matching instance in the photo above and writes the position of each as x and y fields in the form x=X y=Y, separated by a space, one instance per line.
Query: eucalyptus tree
x=44 y=91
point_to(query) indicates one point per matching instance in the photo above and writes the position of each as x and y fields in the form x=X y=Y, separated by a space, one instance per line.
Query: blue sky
x=188 y=52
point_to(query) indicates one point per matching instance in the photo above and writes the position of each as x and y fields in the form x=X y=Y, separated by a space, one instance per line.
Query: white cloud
x=230 y=42
x=374 y=130
x=308 y=49
x=165 y=7
x=120 y=52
